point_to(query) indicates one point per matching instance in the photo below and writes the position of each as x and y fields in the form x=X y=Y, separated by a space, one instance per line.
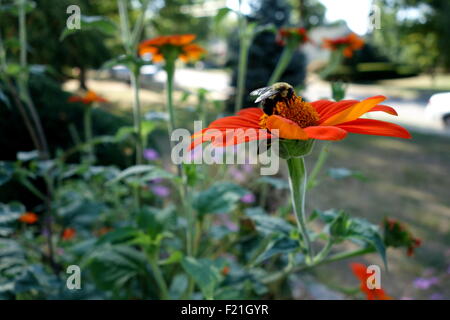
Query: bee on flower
x=296 y=119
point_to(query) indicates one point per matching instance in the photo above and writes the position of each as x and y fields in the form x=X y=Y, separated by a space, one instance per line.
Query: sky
x=354 y=12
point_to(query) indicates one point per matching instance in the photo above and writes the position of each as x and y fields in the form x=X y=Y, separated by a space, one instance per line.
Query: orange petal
x=287 y=129
x=354 y=112
x=360 y=271
x=331 y=108
x=384 y=108
x=375 y=127
x=325 y=133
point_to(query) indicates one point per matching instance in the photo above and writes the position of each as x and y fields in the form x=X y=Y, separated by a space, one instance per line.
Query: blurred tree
x=182 y=16
x=308 y=13
x=45 y=24
x=265 y=52
x=420 y=39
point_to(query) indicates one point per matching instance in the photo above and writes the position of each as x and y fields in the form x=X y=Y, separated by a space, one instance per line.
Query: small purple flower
x=437 y=296
x=448 y=270
x=161 y=191
x=151 y=154
x=425 y=283
x=224 y=219
x=248 y=198
x=236 y=174
x=248 y=168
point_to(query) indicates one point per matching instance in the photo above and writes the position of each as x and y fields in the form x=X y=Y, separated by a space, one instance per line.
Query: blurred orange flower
x=29 y=218
x=397 y=235
x=299 y=34
x=88 y=98
x=360 y=271
x=179 y=46
x=349 y=44
x=68 y=233
x=299 y=120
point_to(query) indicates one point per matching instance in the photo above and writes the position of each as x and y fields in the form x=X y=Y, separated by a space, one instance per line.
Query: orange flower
x=88 y=98
x=299 y=120
x=298 y=34
x=29 y=218
x=180 y=46
x=397 y=235
x=360 y=271
x=68 y=234
x=226 y=270
x=349 y=44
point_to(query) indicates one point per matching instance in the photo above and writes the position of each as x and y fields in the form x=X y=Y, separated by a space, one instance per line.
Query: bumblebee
x=269 y=96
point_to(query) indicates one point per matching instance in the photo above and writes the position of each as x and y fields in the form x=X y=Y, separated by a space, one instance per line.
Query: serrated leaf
x=222 y=197
x=143 y=172
x=205 y=274
x=268 y=225
x=279 y=246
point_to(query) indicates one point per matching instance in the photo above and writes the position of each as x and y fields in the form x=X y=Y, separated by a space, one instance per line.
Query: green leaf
x=268 y=225
x=98 y=23
x=279 y=246
x=4 y=98
x=147 y=127
x=178 y=286
x=11 y=212
x=222 y=197
x=124 y=132
x=27 y=156
x=145 y=173
x=130 y=61
x=154 y=221
x=120 y=235
x=221 y=14
x=205 y=273
x=277 y=183
x=6 y=172
x=342 y=173
x=117 y=266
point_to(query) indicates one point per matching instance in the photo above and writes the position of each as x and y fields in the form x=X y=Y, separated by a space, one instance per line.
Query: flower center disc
x=297 y=110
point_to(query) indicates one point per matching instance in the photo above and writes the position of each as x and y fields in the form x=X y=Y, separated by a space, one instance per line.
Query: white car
x=438 y=107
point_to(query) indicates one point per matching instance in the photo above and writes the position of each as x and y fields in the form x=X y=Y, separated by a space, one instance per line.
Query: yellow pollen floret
x=297 y=110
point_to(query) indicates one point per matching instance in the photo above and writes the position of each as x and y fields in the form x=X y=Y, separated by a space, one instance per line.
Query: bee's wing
x=263 y=93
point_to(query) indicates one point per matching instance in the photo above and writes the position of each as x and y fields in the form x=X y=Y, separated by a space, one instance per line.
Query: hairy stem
x=297 y=184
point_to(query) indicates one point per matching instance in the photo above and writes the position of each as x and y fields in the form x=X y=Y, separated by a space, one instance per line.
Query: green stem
x=23 y=80
x=135 y=84
x=297 y=184
x=242 y=71
x=282 y=64
x=324 y=252
x=88 y=134
x=323 y=155
x=157 y=273
x=170 y=71
x=338 y=257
